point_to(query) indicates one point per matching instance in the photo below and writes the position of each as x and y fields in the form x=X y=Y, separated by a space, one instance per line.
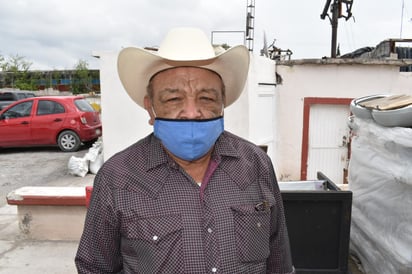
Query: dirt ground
x=42 y=166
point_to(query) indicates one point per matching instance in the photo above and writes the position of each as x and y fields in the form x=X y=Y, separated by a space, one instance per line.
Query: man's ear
x=149 y=109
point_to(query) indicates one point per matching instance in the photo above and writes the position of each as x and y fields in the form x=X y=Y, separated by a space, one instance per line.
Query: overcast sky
x=54 y=34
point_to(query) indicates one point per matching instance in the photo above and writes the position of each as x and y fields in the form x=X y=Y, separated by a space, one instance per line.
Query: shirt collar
x=156 y=154
x=224 y=147
x=150 y=182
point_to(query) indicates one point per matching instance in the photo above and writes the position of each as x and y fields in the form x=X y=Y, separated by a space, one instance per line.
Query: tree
x=54 y=79
x=16 y=72
x=82 y=80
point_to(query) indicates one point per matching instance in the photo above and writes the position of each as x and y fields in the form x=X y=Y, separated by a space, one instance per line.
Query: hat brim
x=136 y=66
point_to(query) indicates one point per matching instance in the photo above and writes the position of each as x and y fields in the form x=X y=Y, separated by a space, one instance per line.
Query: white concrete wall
x=252 y=116
x=124 y=122
x=349 y=80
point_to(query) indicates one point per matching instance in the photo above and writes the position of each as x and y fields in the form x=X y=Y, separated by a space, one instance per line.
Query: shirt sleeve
x=280 y=258
x=99 y=247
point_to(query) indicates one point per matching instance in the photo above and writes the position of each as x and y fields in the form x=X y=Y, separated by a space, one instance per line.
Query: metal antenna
x=250 y=23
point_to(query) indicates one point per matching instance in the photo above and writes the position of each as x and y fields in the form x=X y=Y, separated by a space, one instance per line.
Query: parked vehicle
x=66 y=121
x=9 y=97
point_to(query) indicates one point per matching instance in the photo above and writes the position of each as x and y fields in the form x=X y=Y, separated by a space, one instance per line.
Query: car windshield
x=83 y=105
x=7 y=96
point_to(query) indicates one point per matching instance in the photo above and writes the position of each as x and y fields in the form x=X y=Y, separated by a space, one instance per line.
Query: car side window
x=19 y=110
x=49 y=107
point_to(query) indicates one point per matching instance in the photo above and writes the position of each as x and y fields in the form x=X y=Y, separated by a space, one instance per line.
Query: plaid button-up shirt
x=147 y=215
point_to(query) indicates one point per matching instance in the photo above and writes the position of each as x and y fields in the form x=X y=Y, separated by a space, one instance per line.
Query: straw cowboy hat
x=183 y=47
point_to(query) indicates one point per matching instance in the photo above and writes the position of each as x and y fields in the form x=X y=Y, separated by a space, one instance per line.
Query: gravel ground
x=38 y=166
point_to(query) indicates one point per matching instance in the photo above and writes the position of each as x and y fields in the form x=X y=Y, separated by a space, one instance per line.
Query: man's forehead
x=188 y=71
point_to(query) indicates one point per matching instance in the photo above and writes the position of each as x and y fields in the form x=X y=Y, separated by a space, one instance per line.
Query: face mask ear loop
x=155 y=115
x=223 y=108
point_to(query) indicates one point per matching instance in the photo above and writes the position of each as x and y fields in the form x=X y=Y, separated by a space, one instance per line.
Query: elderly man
x=191 y=197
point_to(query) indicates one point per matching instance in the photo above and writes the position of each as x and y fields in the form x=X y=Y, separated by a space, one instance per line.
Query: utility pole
x=335 y=7
x=334 y=22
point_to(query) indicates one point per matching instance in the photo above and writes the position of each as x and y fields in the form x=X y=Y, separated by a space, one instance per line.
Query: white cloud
x=56 y=34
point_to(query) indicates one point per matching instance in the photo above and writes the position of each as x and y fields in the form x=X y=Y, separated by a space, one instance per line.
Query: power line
x=403 y=7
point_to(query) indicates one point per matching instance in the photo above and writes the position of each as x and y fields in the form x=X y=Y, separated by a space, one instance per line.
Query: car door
x=15 y=125
x=47 y=121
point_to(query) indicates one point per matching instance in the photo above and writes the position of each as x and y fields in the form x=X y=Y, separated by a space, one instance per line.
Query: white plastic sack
x=380 y=177
x=78 y=166
x=94 y=151
x=95 y=165
x=95 y=156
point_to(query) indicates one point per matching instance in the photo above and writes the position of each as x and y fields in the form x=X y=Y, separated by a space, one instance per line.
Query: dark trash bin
x=318 y=222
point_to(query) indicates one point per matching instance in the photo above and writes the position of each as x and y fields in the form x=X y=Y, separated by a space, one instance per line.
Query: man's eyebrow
x=174 y=90
x=210 y=90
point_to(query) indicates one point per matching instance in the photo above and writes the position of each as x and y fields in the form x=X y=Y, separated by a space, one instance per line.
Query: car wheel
x=68 y=141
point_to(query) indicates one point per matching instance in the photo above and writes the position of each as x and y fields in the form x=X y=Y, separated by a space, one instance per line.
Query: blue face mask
x=188 y=139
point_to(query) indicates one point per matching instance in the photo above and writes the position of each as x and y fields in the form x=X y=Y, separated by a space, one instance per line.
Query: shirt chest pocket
x=155 y=241
x=252 y=232
x=154 y=230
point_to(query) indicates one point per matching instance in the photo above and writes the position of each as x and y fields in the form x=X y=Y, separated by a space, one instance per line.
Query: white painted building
x=297 y=108
x=313 y=108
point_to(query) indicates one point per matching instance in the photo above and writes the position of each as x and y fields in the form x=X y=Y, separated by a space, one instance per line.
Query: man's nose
x=192 y=110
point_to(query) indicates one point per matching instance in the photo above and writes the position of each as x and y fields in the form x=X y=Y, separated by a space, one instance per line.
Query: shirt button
x=259 y=224
x=155 y=238
x=214 y=269
x=209 y=230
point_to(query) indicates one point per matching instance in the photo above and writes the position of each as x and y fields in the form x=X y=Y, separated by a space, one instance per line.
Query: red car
x=66 y=121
